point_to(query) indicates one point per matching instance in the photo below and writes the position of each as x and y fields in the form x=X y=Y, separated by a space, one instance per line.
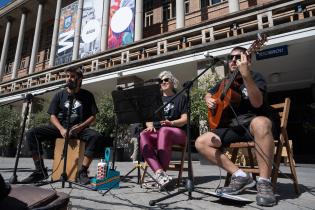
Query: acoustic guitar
x=225 y=95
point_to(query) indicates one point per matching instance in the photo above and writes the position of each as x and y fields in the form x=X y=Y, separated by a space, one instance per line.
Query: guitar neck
x=229 y=83
x=254 y=46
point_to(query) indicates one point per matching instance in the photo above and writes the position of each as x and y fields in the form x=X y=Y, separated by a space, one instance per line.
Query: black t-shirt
x=174 y=109
x=244 y=106
x=83 y=107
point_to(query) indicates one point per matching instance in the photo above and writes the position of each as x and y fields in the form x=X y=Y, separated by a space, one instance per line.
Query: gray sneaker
x=83 y=177
x=163 y=179
x=238 y=184
x=265 y=195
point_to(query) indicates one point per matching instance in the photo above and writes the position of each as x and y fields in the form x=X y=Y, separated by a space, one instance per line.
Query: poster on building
x=68 y=17
x=90 y=42
x=4 y=3
x=121 y=23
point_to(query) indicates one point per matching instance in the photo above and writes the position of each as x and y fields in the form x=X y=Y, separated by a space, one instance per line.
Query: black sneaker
x=238 y=184
x=265 y=195
x=36 y=176
x=83 y=177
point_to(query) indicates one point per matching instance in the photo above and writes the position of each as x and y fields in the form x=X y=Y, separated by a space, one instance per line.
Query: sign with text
x=272 y=52
x=90 y=42
x=68 y=18
x=4 y=3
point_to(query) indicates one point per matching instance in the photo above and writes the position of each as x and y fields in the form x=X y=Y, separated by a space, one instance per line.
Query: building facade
x=39 y=39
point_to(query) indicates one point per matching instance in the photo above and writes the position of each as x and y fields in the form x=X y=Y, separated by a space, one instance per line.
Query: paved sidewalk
x=206 y=177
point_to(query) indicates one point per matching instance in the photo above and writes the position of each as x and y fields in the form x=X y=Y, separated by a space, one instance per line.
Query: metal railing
x=256 y=19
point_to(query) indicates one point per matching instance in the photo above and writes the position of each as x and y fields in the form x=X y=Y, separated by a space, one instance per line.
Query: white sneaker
x=163 y=179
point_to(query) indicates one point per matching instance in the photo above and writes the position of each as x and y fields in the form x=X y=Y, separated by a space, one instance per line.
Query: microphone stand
x=28 y=98
x=189 y=184
x=64 y=176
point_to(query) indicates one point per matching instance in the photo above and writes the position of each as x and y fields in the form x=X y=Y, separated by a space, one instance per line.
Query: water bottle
x=101 y=170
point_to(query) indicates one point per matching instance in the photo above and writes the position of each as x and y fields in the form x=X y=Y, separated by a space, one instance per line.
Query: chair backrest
x=283 y=110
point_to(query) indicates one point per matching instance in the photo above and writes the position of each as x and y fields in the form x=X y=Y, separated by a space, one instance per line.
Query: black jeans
x=36 y=135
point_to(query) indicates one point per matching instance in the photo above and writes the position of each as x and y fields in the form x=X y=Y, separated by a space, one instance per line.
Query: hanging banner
x=121 y=23
x=90 y=42
x=4 y=2
x=68 y=17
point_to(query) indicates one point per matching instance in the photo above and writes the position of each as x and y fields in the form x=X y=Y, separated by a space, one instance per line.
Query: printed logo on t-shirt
x=76 y=112
x=245 y=93
x=167 y=110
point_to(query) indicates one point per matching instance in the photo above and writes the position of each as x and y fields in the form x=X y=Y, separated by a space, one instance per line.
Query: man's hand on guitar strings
x=243 y=65
x=211 y=103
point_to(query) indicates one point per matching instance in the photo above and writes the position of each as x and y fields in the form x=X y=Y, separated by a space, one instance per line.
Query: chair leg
x=251 y=160
x=143 y=174
x=180 y=172
x=277 y=161
x=233 y=159
x=292 y=168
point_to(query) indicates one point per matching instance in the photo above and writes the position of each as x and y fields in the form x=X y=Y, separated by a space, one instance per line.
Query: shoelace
x=264 y=187
x=234 y=182
x=161 y=177
x=83 y=173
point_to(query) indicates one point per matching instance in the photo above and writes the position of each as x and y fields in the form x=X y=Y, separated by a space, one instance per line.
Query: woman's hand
x=150 y=129
x=167 y=123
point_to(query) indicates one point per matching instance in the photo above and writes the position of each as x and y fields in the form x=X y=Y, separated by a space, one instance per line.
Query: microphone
x=71 y=85
x=212 y=58
x=153 y=80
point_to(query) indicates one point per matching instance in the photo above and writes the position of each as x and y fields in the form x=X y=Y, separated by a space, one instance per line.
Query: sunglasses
x=237 y=57
x=164 y=80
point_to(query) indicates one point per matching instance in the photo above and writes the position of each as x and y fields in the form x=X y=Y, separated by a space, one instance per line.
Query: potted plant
x=199 y=110
x=105 y=124
x=38 y=117
x=9 y=130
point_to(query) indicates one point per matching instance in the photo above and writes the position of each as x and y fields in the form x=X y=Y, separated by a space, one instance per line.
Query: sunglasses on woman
x=164 y=80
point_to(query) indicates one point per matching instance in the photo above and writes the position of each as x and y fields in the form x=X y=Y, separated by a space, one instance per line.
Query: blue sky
x=4 y=2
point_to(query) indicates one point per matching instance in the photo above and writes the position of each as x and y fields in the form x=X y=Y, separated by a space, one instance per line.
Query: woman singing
x=158 y=137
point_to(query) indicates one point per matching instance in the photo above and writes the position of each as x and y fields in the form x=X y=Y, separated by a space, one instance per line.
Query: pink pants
x=156 y=146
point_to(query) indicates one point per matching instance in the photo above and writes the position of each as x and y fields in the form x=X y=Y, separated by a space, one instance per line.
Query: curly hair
x=168 y=74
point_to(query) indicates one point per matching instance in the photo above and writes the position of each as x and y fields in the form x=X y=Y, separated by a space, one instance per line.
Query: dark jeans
x=35 y=136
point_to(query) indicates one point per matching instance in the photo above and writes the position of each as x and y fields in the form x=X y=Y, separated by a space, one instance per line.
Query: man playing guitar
x=249 y=96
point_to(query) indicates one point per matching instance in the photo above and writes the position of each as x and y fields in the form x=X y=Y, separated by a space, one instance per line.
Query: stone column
x=19 y=45
x=234 y=6
x=105 y=25
x=180 y=13
x=36 y=38
x=139 y=20
x=77 y=32
x=5 y=46
x=55 y=35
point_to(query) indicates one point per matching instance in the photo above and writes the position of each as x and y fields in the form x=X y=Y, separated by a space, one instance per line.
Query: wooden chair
x=283 y=142
x=174 y=165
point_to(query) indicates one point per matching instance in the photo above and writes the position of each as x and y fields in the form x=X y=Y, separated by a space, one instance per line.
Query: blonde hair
x=168 y=74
